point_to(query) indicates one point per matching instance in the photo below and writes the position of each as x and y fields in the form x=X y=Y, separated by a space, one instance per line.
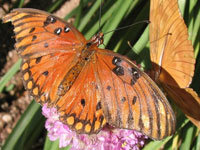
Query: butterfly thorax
x=96 y=40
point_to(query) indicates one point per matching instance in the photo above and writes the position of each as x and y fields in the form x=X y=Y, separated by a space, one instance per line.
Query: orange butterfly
x=172 y=56
x=89 y=86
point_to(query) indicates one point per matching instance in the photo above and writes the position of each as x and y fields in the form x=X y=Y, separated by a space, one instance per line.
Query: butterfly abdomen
x=74 y=72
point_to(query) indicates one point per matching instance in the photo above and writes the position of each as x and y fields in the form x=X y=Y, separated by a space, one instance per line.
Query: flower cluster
x=107 y=139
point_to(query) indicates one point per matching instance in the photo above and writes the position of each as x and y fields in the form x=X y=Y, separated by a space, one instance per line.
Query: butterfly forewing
x=131 y=99
x=48 y=46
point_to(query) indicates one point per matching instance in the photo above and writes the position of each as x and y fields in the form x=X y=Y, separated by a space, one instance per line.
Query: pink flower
x=108 y=138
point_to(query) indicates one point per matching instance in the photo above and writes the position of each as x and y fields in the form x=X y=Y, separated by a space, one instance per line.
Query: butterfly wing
x=185 y=98
x=171 y=52
x=80 y=107
x=49 y=48
x=130 y=99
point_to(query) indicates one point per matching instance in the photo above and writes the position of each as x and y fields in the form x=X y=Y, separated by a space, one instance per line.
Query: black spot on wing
x=34 y=37
x=108 y=88
x=132 y=82
x=135 y=76
x=135 y=73
x=83 y=102
x=116 y=60
x=45 y=73
x=66 y=29
x=49 y=20
x=38 y=60
x=58 y=31
x=98 y=106
x=46 y=44
x=134 y=100
x=118 y=70
x=123 y=99
x=32 y=30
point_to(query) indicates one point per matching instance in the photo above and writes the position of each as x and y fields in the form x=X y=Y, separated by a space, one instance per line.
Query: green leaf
x=7 y=77
x=21 y=126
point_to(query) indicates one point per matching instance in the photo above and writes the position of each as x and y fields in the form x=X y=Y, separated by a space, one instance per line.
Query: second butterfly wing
x=172 y=56
x=171 y=52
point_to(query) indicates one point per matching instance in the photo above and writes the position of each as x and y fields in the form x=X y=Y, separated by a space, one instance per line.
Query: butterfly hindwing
x=80 y=108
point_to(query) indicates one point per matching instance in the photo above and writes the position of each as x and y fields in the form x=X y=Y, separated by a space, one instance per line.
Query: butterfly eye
x=88 y=44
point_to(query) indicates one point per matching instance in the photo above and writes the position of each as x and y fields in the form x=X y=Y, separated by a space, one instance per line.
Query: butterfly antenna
x=100 y=16
x=132 y=48
x=135 y=54
x=120 y=28
x=164 y=36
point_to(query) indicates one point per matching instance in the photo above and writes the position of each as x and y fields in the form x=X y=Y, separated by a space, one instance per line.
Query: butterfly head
x=96 y=40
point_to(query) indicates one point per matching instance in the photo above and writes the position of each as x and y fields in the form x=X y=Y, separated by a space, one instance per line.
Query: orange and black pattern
x=89 y=86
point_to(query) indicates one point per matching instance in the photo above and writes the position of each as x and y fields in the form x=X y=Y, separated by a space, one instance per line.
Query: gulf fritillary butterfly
x=89 y=86
x=172 y=56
